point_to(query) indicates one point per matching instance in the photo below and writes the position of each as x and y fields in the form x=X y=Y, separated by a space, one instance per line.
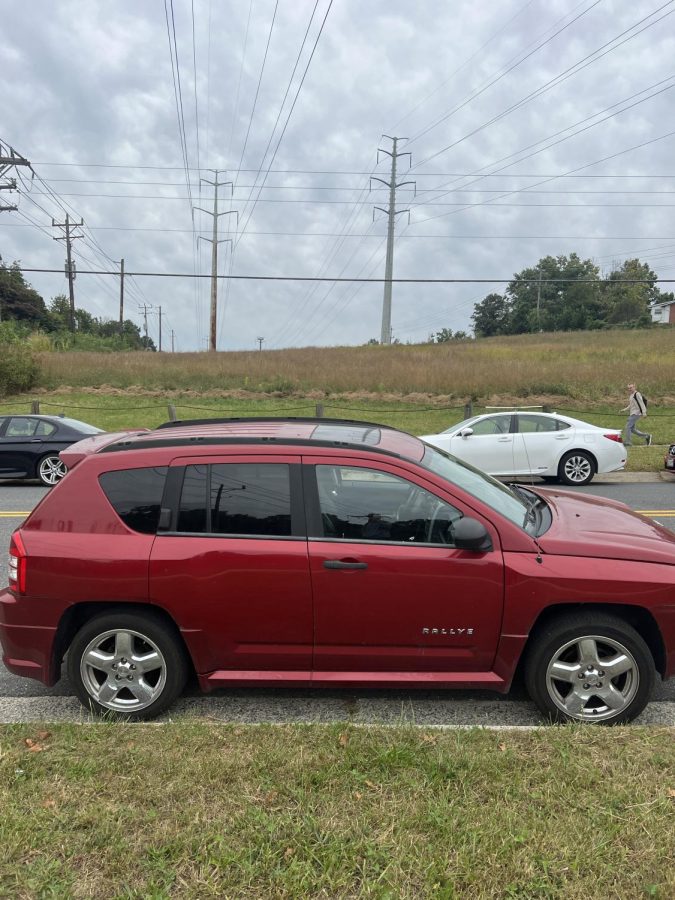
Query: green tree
x=18 y=299
x=491 y=316
x=555 y=295
x=627 y=302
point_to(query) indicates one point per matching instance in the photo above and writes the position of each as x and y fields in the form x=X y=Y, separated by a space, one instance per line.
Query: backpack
x=644 y=400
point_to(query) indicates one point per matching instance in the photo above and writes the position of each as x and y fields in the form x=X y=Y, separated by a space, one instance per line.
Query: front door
x=391 y=592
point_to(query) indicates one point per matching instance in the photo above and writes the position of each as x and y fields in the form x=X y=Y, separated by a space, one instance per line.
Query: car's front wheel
x=590 y=668
x=127 y=664
x=51 y=470
x=577 y=467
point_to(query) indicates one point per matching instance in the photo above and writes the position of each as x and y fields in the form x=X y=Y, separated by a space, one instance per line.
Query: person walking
x=636 y=409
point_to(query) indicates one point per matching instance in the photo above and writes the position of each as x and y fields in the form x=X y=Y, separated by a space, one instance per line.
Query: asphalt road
x=25 y=700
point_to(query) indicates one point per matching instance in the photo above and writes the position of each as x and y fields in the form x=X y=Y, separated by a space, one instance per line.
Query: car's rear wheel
x=51 y=470
x=577 y=467
x=590 y=668
x=127 y=664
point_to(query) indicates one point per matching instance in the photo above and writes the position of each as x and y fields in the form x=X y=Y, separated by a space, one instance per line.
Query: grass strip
x=200 y=810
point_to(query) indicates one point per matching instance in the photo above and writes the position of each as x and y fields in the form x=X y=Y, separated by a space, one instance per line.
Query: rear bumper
x=27 y=649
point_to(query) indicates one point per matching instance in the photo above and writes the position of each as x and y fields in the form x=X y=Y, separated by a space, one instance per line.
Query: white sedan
x=554 y=447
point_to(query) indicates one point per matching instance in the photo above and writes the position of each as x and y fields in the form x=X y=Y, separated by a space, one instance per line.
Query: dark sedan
x=30 y=445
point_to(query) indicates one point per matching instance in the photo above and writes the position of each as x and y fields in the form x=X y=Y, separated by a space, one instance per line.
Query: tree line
x=24 y=312
x=566 y=293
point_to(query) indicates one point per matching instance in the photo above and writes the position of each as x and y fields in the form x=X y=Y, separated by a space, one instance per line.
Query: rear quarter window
x=136 y=496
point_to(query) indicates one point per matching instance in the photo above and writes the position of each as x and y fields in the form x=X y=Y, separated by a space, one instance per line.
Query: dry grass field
x=584 y=367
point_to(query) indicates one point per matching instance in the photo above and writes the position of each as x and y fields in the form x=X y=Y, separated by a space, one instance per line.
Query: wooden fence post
x=35 y=407
x=319 y=411
x=468 y=410
x=172 y=412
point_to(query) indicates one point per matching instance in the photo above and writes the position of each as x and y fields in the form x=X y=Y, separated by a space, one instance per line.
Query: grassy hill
x=593 y=367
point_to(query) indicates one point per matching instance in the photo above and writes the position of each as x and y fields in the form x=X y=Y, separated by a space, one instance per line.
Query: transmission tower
x=69 y=237
x=391 y=212
x=214 y=241
x=9 y=158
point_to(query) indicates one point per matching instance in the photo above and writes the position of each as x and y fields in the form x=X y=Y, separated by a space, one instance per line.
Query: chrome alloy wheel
x=592 y=678
x=123 y=671
x=51 y=470
x=578 y=468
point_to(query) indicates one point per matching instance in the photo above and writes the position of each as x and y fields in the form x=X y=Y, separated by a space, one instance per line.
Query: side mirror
x=470 y=534
x=465 y=432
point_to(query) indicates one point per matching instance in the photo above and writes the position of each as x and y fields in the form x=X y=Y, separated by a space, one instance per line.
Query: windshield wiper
x=531 y=502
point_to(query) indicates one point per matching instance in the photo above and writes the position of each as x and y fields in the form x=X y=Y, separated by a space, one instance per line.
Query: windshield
x=480 y=485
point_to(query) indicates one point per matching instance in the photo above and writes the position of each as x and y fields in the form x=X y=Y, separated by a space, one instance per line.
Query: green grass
x=196 y=810
x=138 y=409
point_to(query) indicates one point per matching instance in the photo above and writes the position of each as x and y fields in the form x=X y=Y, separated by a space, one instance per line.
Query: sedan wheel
x=51 y=470
x=576 y=467
x=126 y=664
x=597 y=671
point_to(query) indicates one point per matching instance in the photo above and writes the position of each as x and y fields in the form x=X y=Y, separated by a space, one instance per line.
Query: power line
x=493 y=280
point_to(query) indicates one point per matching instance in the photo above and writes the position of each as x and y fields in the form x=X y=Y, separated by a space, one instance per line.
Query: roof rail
x=318 y=420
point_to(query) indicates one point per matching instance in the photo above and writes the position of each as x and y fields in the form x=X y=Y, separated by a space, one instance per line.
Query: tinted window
x=562 y=425
x=192 y=509
x=136 y=496
x=80 y=426
x=368 y=505
x=243 y=498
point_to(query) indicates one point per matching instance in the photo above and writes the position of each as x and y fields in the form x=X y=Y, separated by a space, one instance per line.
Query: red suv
x=327 y=553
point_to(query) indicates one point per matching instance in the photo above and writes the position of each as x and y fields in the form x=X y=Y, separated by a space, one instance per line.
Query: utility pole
x=144 y=309
x=68 y=237
x=9 y=158
x=172 y=337
x=121 y=296
x=391 y=213
x=214 y=250
x=160 y=329
x=260 y=342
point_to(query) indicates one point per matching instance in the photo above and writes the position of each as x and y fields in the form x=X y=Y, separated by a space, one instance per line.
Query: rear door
x=540 y=442
x=391 y=592
x=231 y=564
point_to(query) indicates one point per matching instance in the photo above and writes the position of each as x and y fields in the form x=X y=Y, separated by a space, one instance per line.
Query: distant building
x=663 y=313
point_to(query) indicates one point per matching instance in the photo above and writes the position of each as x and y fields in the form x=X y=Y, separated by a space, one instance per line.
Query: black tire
x=50 y=470
x=139 y=666
x=576 y=467
x=555 y=650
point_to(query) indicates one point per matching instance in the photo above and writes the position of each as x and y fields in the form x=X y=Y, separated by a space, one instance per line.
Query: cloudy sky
x=534 y=128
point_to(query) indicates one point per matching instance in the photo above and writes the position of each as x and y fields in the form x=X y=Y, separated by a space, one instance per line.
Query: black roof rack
x=318 y=420
x=229 y=441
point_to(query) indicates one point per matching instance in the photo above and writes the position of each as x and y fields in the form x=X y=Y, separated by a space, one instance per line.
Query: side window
x=20 y=426
x=492 y=425
x=236 y=498
x=561 y=426
x=44 y=429
x=532 y=423
x=369 y=505
x=136 y=496
x=251 y=498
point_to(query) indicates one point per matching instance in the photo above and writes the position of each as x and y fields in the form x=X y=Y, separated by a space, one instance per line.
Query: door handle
x=343 y=564
x=504 y=440
x=36 y=441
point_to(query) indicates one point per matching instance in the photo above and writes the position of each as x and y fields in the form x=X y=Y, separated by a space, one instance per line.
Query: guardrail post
x=35 y=407
x=172 y=412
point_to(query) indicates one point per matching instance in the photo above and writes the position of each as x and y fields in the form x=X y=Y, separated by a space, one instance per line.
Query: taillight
x=17 y=564
x=617 y=436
